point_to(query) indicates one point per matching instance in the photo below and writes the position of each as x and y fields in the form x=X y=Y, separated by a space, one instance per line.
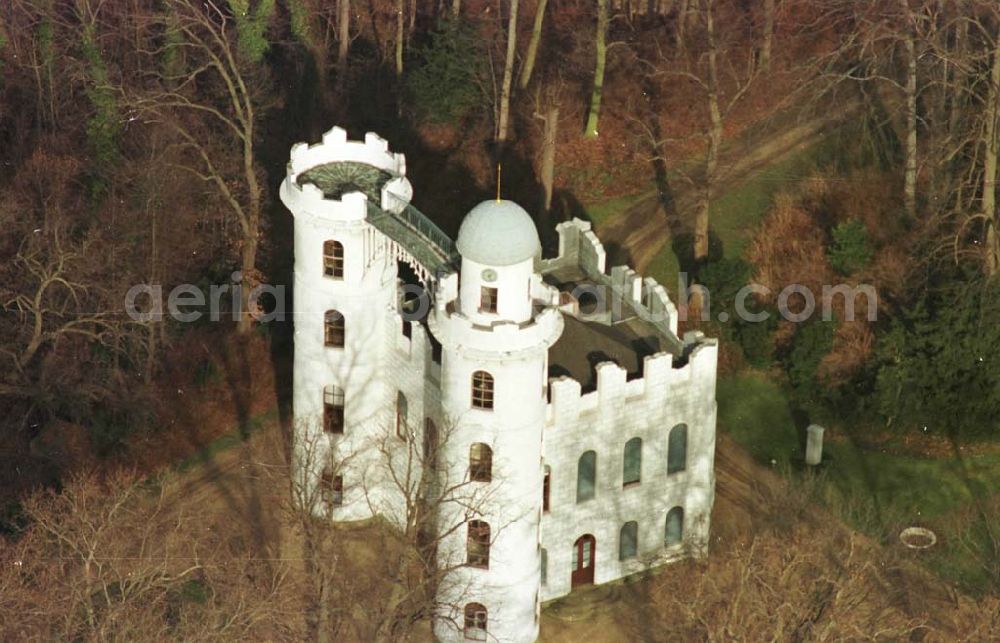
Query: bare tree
x=536 y=38
x=203 y=123
x=130 y=565
x=767 y=38
x=601 y=48
x=312 y=24
x=508 y=74
x=723 y=72
x=420 y=501
x=343 y=42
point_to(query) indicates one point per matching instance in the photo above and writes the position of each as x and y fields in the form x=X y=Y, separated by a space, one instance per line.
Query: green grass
x=737 y=212
x=600 y=212
x=874 y=491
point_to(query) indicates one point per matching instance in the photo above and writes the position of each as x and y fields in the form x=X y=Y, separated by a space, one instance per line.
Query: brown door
x=583 y=560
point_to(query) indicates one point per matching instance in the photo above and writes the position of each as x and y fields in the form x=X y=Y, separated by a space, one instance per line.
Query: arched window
x=333 y=259
x=482 y=390
x=545 y=565
x=628 y=542
x=674 y=533
x=632 y=462
x=402 y=409
x=475 y=622
x=480 y=462
x=333 y=329
x=477 y=544
x=546 y=488
x=586 y=474
x=677 y=449
x=333 y=409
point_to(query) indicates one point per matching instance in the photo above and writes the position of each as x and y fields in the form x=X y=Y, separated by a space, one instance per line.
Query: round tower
x=495 y=347
x=344 y=291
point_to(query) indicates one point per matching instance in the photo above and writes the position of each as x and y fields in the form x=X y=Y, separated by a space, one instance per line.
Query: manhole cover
x=917 y=538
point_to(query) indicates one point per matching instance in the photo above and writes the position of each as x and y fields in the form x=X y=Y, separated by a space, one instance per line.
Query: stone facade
x=390 y=375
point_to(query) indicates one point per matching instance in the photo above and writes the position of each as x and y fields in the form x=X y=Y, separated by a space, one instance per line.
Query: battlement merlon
x=662 y=378
x=579 y=247
x=308 y=199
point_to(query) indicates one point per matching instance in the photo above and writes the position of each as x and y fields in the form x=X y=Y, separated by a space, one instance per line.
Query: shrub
x=813 y=340
x=445 y=84
x=724 y=278
x=850 y=250
x=938 y=366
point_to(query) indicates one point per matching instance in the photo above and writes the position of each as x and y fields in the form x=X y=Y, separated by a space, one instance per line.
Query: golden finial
x=498 y=183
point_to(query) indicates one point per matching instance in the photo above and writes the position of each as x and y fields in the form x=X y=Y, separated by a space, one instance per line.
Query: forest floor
x=240 y=486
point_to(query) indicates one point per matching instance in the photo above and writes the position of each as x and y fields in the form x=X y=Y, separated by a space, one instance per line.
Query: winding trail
x=636 y=235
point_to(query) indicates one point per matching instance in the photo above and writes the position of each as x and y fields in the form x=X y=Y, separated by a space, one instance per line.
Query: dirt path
x=637 y=235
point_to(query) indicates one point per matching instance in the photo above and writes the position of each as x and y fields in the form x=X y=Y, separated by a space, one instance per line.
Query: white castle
x=567 y=432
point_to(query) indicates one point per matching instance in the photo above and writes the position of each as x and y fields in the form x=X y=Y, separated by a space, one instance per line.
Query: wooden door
x=584 y=552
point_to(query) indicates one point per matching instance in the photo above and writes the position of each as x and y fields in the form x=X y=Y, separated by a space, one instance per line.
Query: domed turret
x=498 y=233
x=498 y=243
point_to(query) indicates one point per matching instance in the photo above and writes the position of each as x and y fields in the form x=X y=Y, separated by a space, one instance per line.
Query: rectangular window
x=332 y=488
x=333 y=409
x=488 y=300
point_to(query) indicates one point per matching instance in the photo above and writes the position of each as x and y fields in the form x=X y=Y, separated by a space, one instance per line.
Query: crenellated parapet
x=624 y=292
x=308 y=199
x=662 y=380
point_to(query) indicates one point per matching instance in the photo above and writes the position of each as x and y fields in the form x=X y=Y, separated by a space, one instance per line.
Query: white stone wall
x=603 y=421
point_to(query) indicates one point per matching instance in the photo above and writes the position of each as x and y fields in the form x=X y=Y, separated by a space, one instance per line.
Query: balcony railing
x=419 y=235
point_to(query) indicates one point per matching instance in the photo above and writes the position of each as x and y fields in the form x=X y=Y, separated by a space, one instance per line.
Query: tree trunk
x=910 y=171
x=536 y=37
x=248 y=256
x=548 y=169
x=765 y=49
x=508 y=74
x=343 y=46
x=714 y=142
x=602 y=49
x=400 y=11
x=989 y=202
x=681 y=28
x=456 y=9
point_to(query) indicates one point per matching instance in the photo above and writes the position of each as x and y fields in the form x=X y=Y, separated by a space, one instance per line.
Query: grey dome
x=498 y=233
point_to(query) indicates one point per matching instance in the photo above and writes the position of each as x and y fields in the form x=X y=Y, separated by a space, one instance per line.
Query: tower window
x=586 y=474
x=478 y=544
x=332 y=488
x=628 y=543
x=480 y=462
x=546 y=487
x=333 y=259
x=402 y=410
x=482 y=390
x=677 y=449
x=632 y=462
x=333 y=329
x=487 y=300
x=333 y=409
x=545 y=566
x=475 y=622
x=675 y=527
